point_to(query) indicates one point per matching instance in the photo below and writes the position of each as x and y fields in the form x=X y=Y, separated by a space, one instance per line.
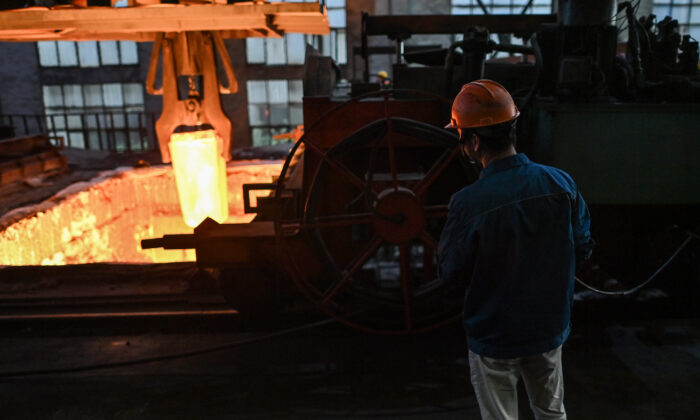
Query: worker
x=515 y=237
x=384 y=81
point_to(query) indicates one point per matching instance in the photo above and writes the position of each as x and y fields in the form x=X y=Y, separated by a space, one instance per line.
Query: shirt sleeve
x=581 y=224
x=455 y=251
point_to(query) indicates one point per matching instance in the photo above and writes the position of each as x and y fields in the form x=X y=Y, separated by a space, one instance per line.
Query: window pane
x=118 y=120
x=66 y=53
x=261 y=136
x=694 y=14
x=112 y=93
x=76 y=139
x=342 y=51
x=296 y=48
x=277 y=91
x=296 y=114
x=296 y=91
x=279 y=114
x=91 y=121
x=325 y=45
x=129 y=52
x=109 y=53
x=75 y=122
x=257 y=91
x=53 y=96
x=93 y=95
x=335 y=3
x=257 y=114
x=87 y=52
x=132 y=120
x=255 y=50
x=275 y=51
x=336 y=18
x=73 y=96
x=133 y=94
x=48 y=57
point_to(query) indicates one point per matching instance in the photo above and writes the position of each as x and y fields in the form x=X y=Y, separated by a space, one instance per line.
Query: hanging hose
x=538 y=72
x=690 y=237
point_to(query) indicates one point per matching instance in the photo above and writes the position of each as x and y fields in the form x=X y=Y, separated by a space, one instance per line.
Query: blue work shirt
x=516 y=237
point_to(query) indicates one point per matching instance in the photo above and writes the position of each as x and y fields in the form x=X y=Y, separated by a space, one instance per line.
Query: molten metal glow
x=200 y=175
x=104 y=219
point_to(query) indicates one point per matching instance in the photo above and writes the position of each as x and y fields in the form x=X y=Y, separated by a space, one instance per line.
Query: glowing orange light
x=200 y=175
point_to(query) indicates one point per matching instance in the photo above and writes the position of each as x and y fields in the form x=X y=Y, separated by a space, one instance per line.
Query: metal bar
x=86 y=134
x=483 y=8
x=454 y=24
x=435 y=211
x=82 y=315
x=435 y=171
x=337 y=165
x=364 y=254
x=111 y=140
x=339 y=220
x=38 y=123
x=390 y=144
x=126 y=131
x=99 y=131
x=141 y=130
x=426 y=237
x=405 y=267
x=24 y=121
x=69 y=142
x=527 y=6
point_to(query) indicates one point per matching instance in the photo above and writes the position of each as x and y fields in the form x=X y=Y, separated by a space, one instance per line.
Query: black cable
x=155 y=359
x=691 y=236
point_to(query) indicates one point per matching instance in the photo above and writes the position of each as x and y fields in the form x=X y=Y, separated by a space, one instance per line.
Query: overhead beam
x=402 y=25
x=142 y=23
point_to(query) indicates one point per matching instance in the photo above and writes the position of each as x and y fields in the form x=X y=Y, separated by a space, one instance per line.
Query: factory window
x=290 y=49
x=87 y=53
x=500 y=7
x=686 y=12
x=274 y=107
x=107 y=116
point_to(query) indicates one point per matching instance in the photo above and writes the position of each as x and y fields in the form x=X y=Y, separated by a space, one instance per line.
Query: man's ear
x=476 y=142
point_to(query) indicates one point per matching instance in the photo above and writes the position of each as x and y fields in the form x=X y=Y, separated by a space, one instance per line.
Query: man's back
x=514 y=235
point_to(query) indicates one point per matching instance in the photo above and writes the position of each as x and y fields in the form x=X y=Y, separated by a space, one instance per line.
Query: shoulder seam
x=514 y=202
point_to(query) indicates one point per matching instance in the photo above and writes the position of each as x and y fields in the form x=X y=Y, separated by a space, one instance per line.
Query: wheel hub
x=398 y=215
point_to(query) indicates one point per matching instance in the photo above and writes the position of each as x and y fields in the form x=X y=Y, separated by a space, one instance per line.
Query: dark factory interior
x=294 y=209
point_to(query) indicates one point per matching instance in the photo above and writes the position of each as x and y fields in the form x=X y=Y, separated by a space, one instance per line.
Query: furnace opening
x=104 y=219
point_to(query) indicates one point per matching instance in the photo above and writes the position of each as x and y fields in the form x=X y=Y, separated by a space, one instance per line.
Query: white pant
x=495 y=384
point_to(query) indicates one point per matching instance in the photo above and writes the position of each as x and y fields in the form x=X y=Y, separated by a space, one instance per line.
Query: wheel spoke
x=354 y=179
x=390 y=145
x=435 y=211
x=340 y=220
x=405 y=266
x=435 y=171
x=361 y=258
x=428 y=266
x=428 y=239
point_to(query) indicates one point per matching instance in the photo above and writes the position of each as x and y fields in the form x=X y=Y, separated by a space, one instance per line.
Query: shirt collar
x=504 y=164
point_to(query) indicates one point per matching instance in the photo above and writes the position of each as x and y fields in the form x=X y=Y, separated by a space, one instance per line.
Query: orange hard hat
x=482 y=103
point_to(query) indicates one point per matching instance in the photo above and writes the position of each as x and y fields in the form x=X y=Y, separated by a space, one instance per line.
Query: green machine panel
x=622 y=154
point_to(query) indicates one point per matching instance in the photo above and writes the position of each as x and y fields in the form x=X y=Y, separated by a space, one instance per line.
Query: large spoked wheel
x=372 y=216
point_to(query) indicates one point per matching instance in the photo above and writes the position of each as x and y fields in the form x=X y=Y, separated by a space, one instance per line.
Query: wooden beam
x=141 y=23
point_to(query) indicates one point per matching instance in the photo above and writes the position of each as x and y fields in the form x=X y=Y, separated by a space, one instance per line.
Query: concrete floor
x=613 y=370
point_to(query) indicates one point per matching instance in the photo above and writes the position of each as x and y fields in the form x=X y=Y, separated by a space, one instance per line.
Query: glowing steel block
x=200 y=175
